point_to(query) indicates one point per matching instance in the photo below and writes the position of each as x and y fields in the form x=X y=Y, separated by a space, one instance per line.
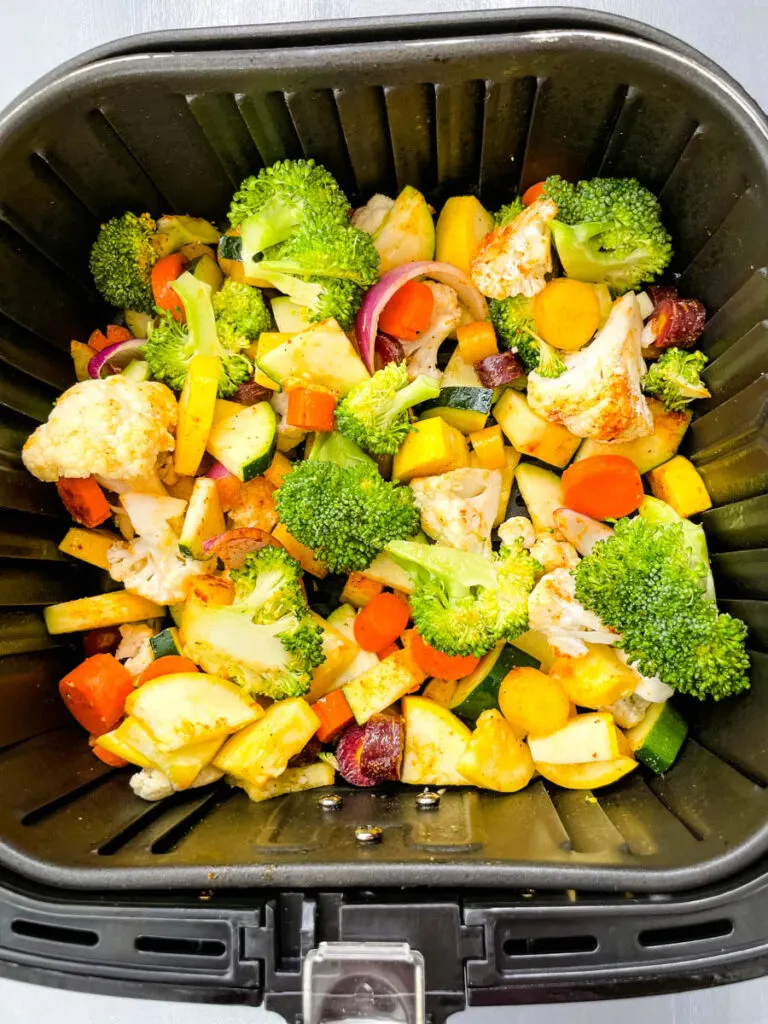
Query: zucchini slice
x=466 y=408
x=657 y=740
x=322 y=354
x=245 y=443
x=204 y=519
x=165 y=643
x=480 y=690
x=542 y=492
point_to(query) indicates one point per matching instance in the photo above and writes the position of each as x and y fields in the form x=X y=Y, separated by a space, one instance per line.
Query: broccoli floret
x=171 y=346
x=267 y=640
x=271 y=204
x=609 y=231
x=121 y=263
x=323 y=297
x=507 y=213
x=375 y=413
x=336 y=503
x=463 y=603
x=644 y=582
x=243 y=310
x=515 y=326
x=674 y=379
x=325 y=250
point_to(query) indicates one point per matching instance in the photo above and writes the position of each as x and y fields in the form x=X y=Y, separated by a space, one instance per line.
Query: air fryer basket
x=176 y=131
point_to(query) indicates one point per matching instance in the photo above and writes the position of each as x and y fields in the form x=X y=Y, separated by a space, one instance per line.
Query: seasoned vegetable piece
x=102 y=610
x=435 y=741
x=461 y=226
x=321 y=355
x=645 y=452
x=531 y=434
x=293 y=780
x=533 y=703
x=84 y=500
x=596 y=679
x=495 y=758
x=477 y=341
x=204 y=519
x=407 y=232
x=168 y=665
x=679 y=483
x=359 y=590
x=566 y=313
x=603 y=487
x=334 y=713
x=165 y=643
x=96 y=691
x=433 y=446
x=542 y=492
x=88 y=545
x=479 y=691
x=382 y=685
x=586 y=776
x=586 y=738
x=464 y=407
x=381 y=622
x=407 y=314
x=262 y=750
x=488 y=446
x=657 y=740
x=245 y=442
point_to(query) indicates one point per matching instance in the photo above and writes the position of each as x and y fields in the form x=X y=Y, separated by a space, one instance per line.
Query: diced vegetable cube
x=432 y=446
x=679 y=483
x=494 y=757
x=262 y=750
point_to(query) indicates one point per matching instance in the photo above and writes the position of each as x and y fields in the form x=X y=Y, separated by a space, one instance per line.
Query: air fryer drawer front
x=481 y=112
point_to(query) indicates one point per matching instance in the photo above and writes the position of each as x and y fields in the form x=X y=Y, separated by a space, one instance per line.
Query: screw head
x=427 y=801
x=368 y=834
x=331 y=801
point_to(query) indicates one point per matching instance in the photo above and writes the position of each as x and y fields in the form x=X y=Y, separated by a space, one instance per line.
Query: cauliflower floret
x=568 y=626
x=113 y=429
x=599 y=395
x=141 y=660
x=514 y=259
x=517 y=528
x=554 y=554
x=421 y=354
x=458 y=508
x=133 y=637
x=370 y=217
x=151 y=565
x=254 y=506
x=152 y=784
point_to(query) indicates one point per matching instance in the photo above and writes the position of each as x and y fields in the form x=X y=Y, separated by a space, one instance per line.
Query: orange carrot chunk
x=96 y=691
x=408 y=312
x=164 y=273
x=381 y=622
x=84 y=500
x=532 y=194
x=334 y=713
x=603 y=487
x=441 y=666
x=310 y=408
x=169 y=665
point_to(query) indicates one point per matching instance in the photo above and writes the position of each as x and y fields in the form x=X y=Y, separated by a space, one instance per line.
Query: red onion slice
x=366 y=324
x=118 y=356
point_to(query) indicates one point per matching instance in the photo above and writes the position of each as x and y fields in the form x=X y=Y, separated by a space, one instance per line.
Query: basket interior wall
x=177 y=132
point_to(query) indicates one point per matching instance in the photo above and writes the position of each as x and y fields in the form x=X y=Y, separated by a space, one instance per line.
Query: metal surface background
x=38 y=35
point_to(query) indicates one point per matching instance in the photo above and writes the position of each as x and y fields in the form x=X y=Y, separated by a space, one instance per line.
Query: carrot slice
x=603 y=487
x=84 y=500
x=408 y=312
x=442 y=666
x=566 y=313
x=164 y=273
x=532 y=194
x=381 y=622
x=116 y=334
x=310 y=408
x=169 y=665
x=334 y=713
x=96 y=691
x=98 y=341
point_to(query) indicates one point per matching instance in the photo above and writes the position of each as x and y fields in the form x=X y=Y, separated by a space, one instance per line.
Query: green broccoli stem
x=420 y=389
x=195 y=296
x=270 y=226
x=305 y=293
x=338 y=449
x=550 y=363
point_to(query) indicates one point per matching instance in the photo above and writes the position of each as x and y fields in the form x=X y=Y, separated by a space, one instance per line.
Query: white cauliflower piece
x=113 y=429
x=458 y=508
x=141 y=660
x=581 y=531
x=421 y=354
x=370 y=217
x=517 y=528
x=152 y=784
x=133 y=636
x=554 y=554
x=514 y=259
x=287 y=437
x=151 y=565
x=599 y=395
x=568 y=626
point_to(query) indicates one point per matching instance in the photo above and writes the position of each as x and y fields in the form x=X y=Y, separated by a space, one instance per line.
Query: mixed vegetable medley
x=296 y=446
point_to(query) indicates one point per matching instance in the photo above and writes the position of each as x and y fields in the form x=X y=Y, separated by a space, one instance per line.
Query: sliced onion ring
x=118 y=355
x=366 y=324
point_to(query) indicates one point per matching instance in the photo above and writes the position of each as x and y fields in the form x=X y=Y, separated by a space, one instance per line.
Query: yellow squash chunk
x=533 y=703
x=435 y=741
x=293 y=780
x=262 y=750
x=359 y=590
x=339 y=652
x=441 y=691
x=461 y=226
x=196 y=408
x=495 y=758
x=488 y=447
x=224 y=410
x=477 y=341
x=88 y=545
x=382 y=685
x=586 y=738
x=304 y=556
x=191 y=707
x=536 y=644
x=133 y=741
x=679 y=484
x=587 y=776
x=279 y=467
x=113 y=609
x=596 y=679
x=511 y=459
x=433 y=446
x=81 y=356
x=531 y=434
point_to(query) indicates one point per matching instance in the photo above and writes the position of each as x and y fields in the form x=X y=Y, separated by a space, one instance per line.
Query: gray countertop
x=36 y=36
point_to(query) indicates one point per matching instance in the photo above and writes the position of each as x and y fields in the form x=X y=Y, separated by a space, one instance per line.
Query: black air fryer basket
x=449 y=105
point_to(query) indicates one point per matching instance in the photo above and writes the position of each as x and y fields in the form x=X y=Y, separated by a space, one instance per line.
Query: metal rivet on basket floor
x=331 y=802
x=428 y=801
x=368 y=834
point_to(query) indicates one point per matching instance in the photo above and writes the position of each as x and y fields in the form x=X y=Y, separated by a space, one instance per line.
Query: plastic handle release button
x=363 y=982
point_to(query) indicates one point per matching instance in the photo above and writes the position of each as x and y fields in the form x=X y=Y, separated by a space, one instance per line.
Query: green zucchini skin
x=480 y=691
x=657 y=740
x=165 y=643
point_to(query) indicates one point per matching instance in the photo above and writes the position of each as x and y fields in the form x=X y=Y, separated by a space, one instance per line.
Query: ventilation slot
x=171 y=839
x=41 y=813
x=53 y=933
x=550 y=945
x=686 y=933
x=180 y=947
